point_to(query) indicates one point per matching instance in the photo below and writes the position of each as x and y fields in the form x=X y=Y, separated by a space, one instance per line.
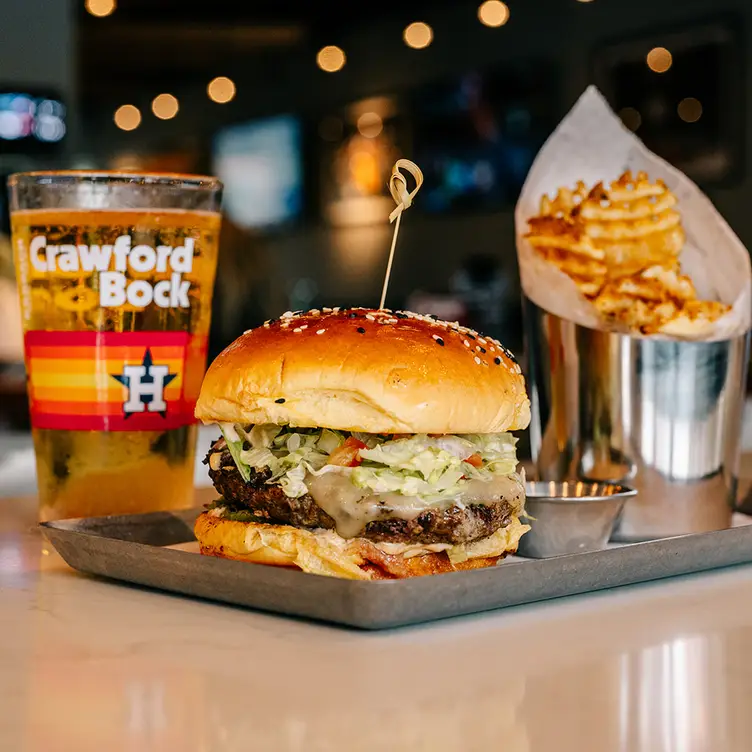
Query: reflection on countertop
x=92 y=665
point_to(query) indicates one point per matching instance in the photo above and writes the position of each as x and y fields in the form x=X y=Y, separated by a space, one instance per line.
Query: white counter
x=88 y=666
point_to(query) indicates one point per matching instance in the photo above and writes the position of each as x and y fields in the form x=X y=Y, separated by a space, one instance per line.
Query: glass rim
x=174 y=179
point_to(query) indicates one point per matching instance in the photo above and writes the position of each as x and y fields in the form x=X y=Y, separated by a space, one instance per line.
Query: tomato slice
x=474 y=460
x=346 y=454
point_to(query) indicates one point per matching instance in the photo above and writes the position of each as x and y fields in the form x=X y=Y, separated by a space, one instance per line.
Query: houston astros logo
x=145 y=384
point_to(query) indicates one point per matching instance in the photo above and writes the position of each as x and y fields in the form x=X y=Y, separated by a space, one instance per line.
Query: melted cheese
x=352 y=508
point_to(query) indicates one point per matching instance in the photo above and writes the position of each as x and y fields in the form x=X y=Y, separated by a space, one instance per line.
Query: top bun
x=374 y=371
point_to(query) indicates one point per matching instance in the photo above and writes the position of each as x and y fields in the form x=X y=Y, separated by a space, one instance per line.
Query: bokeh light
x=493 y=13
x=100 y=8
x=659 y=59
x=690 y=110
x=330 y=58
x=418 y=35
x=165 y=106
x=127 y=117
x=221 y=90
x=631 y=118
x=370 y=124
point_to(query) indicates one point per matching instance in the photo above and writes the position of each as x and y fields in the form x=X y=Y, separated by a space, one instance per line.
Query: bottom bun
x=325 y=552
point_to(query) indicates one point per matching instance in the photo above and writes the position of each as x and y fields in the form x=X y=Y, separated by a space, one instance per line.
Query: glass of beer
x=115 y=274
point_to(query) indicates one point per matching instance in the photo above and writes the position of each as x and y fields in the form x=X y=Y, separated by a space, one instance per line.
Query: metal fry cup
x=662 y=415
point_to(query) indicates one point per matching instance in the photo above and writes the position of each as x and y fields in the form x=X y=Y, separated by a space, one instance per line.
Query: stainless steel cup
x=571 y=517
x=663 y=417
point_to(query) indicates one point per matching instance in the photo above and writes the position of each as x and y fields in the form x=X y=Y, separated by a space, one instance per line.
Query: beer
x=116 y=307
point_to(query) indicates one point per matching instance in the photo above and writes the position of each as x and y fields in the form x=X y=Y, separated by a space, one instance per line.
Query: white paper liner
x=591 y=144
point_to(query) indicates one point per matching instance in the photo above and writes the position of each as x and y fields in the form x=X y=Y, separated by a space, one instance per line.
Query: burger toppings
x=451 y=523
x=359 y=482
x=454 y=525
x=475 y=460
x=347 y=454
x=433 y=467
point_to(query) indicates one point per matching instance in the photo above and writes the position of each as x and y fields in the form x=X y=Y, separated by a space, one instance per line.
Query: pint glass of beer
x=115 y=274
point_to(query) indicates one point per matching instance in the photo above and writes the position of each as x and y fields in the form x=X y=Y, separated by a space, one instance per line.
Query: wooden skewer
x=404 y=199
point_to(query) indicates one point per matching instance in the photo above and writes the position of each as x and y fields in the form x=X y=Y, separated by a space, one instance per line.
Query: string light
x=493 y=13
x=418 y=35
x=659 y=59
x=690 y=110
x=127 y=117
x=165 y=106
x=331 y=58
x=100 y=8
x=221 y=90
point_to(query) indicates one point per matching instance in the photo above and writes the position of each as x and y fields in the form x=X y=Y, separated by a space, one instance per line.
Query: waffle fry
x=696 y=316
x=642 y=208
x=588 y=287
x=627 y=188
x=565 y=235
x=678 y=286
x=630 y=257
x=620 y=244
x=564 y=202
x=576 y=266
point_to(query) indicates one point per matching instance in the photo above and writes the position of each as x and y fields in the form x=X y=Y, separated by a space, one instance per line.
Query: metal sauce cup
x=570 y=517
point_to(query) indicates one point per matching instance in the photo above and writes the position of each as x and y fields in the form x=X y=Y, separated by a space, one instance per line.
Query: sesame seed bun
x=366 y=370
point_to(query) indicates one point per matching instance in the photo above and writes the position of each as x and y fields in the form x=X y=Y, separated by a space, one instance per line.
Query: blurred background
x=302 y=107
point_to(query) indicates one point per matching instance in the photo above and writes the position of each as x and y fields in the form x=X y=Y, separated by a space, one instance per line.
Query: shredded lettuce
x=262 y=436
x=419 y=465
x=424 y=466
x=235 y=445
x=293 y=482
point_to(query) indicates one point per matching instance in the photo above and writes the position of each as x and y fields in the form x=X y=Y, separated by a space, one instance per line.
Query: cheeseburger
x=366 y=444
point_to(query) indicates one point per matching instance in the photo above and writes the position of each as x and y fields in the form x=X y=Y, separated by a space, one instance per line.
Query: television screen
x=477 y=135
x=260 y=164
x=30 y=121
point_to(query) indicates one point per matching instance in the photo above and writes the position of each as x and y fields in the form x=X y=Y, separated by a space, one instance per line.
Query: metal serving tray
x=135 y=549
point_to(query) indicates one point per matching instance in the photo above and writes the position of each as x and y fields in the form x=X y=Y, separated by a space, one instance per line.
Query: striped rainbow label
x=113 y=381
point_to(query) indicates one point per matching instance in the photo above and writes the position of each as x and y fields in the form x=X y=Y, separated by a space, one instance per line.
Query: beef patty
x=455 y=525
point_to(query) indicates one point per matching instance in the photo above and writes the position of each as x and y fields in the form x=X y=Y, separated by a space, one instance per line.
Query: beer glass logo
x=113 y=381
x=145 y=384
x=112 y=262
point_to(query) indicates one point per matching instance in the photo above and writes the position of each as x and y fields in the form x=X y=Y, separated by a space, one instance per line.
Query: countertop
x=87 y=665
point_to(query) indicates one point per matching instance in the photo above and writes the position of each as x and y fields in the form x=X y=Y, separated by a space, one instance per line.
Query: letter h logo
x=145 y=384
